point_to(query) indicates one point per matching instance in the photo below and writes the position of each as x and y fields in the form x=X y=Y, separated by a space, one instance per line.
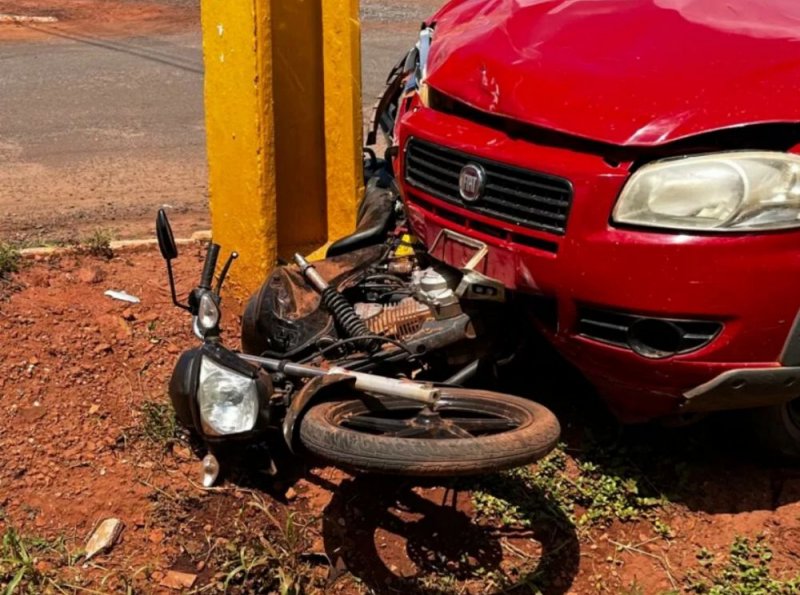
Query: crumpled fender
x=625 y=73
x=317 y=389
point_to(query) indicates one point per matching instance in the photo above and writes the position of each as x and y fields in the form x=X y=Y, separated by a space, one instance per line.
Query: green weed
x=98 y=244
x=158 y=423
x=585 y=493
x=10 y=259
x=745 y=572
x=28 y=565
x=270 y=561
x=663 y=529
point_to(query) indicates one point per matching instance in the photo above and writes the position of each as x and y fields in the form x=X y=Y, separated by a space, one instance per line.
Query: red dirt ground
x=103 y=18
x=79 y=373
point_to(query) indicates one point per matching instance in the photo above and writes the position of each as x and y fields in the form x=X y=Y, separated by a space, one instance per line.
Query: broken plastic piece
x=122 y=296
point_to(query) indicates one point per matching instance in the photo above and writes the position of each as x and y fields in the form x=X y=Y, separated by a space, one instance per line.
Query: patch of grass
x=745 y=572
x=584 y=492
x=159 y=424
x=10 y=259
x=663 y=529
x=98 y=244
x=440 y=584
x=633 y=589
x=28 y=565
x=269 y=560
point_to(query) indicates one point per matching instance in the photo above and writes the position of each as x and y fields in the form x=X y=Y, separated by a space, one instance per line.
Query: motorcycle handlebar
x=210 y=266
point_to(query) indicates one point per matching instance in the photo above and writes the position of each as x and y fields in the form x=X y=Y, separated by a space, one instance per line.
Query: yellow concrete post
x=299 y=125
x=283 y=127
x=341 y=30
x=240 y=135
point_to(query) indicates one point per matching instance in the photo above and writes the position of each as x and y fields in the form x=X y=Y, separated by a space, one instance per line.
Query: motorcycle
x=360 y=359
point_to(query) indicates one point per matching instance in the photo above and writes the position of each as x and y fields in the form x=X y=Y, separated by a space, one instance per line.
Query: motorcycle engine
x=391 y=293
x=428 y=294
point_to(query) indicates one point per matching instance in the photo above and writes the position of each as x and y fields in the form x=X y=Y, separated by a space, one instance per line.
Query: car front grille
x=646 y=334
x=512 y=194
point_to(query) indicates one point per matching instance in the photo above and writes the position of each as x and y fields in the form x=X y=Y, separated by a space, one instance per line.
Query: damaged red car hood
x=625 y=72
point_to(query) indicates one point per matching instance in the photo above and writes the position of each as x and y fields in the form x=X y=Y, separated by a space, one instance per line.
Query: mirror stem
x=172 y=288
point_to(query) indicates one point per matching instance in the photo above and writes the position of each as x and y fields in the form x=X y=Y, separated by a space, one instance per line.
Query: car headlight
x=731 y=192
x=207 y=312
x=424 y=49
x=228 y=401
x=416 y=64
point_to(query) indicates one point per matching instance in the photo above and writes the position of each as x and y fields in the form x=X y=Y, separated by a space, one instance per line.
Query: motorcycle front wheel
x=468 y=432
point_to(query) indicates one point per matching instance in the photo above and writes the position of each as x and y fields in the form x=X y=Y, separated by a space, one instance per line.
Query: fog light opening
x=655 y=339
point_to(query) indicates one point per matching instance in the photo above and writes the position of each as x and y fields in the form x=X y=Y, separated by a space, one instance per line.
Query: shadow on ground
x=693 y=465
x=441 y=540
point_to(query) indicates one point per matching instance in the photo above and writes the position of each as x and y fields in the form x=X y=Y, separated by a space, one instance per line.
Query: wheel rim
x=449 y=420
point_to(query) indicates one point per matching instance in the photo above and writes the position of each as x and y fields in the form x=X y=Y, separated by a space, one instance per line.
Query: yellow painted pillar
x=299 y=125
x=283 y=127
x=240 y=135
x=341 y=33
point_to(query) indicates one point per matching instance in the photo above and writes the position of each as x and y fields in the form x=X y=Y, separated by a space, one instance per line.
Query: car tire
x=777 y=429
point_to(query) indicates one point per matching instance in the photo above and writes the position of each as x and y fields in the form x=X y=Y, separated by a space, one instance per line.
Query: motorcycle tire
x=384 y=435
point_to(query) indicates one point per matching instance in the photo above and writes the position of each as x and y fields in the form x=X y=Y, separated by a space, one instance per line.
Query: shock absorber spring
x=342 y=311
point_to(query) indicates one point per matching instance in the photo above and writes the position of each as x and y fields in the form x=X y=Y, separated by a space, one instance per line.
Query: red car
x=633 y=169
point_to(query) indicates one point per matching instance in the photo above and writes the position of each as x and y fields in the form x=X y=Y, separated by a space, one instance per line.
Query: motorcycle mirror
x=166 y=241
x=169 y=250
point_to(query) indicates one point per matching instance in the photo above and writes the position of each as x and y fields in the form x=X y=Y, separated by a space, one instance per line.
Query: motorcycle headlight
x=207 y=312
x=228 y=401
x=724 y=192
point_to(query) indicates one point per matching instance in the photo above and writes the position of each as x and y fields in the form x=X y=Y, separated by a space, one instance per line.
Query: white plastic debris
x=104 y=537
x=122 y=296
x=21 y=19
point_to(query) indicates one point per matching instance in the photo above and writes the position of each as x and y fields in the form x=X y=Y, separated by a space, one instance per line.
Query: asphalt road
x=97 y=131
x=96 y=134
x=389 y=29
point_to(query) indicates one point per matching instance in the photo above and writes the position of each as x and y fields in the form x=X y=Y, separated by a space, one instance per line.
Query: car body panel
x=626 y=73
